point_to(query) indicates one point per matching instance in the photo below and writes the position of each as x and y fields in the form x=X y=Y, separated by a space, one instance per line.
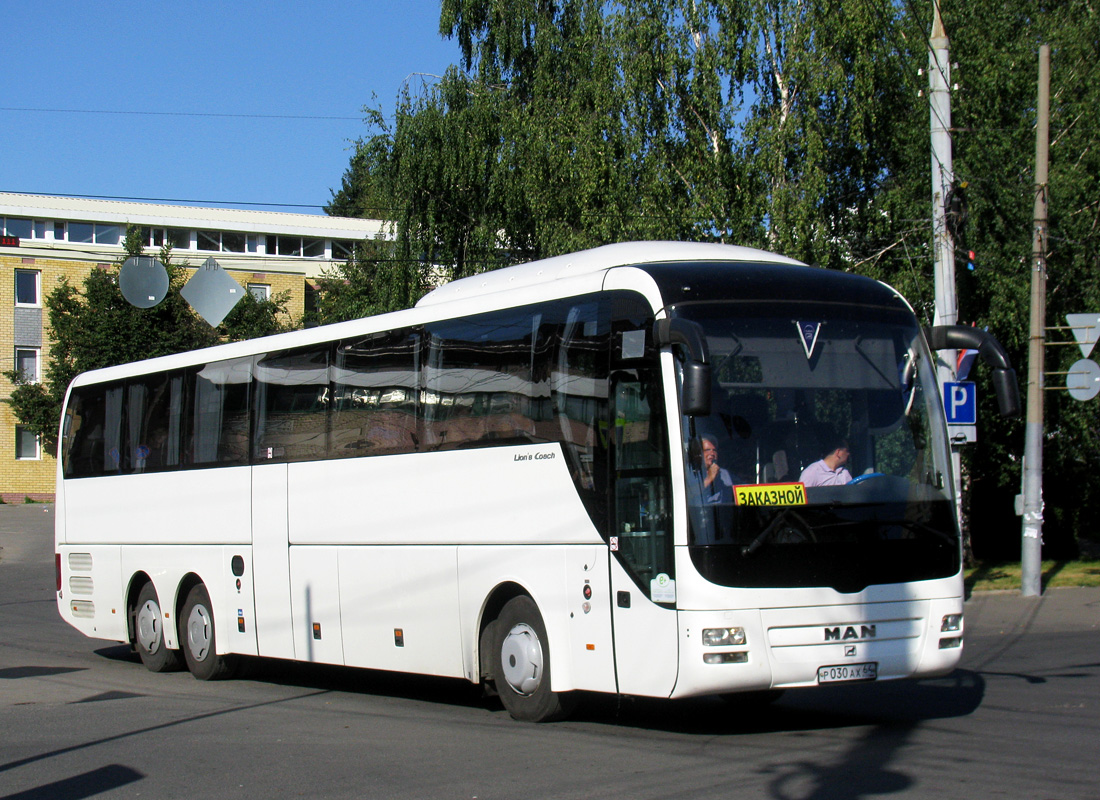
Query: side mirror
x=960 y=337
x=695 y=399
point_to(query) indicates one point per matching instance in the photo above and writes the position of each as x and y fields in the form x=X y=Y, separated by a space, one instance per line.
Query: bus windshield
x=824 y=461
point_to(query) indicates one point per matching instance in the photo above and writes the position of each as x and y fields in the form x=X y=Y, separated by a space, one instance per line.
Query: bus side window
x=478 y=387
x=291 y=405
x=220 y=419
x=642 y=520
x=83 y=445
x=112 y=431
x=578 y=392
x=375 y=382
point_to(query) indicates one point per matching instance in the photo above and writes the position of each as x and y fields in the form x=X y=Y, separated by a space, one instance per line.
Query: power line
x=175 y=114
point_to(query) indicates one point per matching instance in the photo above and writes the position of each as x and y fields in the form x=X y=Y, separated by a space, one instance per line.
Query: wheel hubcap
x=149 y=633
x=198 y=633
x=521 y=659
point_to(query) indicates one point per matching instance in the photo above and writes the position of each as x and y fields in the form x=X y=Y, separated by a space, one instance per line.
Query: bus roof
x=594 y=260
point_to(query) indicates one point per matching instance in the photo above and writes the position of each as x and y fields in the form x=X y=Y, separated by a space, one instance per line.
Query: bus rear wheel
x=197 y=638
x=149 y=633
x=522 y=665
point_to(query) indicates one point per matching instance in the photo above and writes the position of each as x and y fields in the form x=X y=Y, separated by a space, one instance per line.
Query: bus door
x=642 y=577
x=290 y=390
x=271 y=561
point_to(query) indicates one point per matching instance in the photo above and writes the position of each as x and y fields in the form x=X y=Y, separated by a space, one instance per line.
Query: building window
x=92 y=233
x=232 y=242
x=222 y=241
x=15 y=226
x=176 y=238
x=342 y=249
x=303 y=246
x=108 y=234
x=27 y=287
x=179 y=238
x=209 y=240
x=26 y=444
x=261 y=291
x=82 y=232
x=26 y=363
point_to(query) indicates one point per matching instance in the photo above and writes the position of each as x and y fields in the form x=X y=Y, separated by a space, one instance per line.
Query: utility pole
x=943 y=178
x=1031 y=545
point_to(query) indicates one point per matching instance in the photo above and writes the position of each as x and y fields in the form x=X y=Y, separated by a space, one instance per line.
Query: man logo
x=849 y=633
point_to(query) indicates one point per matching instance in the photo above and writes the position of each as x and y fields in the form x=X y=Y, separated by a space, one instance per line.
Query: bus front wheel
x=197 y=638
x=522 y=665
x=149 y=633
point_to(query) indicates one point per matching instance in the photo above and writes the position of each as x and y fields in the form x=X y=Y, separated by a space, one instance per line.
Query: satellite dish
x=143 y=281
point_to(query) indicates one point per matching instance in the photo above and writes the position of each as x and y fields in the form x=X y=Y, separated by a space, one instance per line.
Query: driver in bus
x=710 y=492
x=829 y=470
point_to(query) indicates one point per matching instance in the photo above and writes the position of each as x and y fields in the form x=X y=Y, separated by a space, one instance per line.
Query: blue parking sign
x=960 y=402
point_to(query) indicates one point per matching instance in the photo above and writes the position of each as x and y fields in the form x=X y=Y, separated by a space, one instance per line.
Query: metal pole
x=1032 y=535
x=943 y=243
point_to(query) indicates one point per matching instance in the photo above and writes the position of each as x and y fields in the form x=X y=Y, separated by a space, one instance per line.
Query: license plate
x=848 y=672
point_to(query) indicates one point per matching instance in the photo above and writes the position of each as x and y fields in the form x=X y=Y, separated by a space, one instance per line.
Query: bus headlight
x=951 y=622
x=723 y=637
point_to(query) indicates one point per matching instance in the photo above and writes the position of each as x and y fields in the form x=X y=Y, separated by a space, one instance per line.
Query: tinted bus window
x=219 y=429
x=375 y=388
x=153 y=407
x=292 y=399
x=579 y=391
x=84 y=444
x=478 y=385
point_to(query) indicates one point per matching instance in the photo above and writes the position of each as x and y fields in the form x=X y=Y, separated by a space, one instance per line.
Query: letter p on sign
x=960 y=402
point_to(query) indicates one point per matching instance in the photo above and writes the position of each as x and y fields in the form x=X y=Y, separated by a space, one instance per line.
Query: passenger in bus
x=717 y=481
x=829 y=471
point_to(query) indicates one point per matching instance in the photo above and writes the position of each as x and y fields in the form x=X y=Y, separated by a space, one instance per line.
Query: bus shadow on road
x=337 y=678
x=886 y=703
x=890 y=704
x=15 y=673
x=355 y=680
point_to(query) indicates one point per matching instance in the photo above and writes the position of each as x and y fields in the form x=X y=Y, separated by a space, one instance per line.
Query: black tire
x=521 y=665
x=149 y=633
x=198 y=639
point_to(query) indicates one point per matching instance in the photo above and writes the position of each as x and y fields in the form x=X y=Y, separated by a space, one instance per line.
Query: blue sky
x=174 y=61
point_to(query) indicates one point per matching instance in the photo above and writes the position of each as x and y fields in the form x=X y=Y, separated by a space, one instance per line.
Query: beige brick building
x=47 y=238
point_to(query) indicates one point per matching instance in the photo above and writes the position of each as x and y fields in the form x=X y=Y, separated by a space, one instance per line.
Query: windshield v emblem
x=807 y=332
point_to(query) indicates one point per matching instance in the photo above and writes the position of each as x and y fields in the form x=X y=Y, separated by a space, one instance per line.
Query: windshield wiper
x=791 y=535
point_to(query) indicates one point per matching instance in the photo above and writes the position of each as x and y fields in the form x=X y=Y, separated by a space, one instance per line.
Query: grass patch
x=993 y=577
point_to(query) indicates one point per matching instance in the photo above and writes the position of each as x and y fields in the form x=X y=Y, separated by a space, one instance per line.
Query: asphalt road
x=82 y=718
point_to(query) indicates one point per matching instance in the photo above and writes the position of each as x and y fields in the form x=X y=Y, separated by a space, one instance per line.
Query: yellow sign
x=770 y=494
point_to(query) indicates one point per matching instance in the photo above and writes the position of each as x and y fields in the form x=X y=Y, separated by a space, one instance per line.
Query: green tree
x=252 y=317
x=798 y=127
x=996 y=48
x=366 y=284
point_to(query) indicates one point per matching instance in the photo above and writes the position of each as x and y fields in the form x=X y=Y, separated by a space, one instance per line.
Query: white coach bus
x=510 y=483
